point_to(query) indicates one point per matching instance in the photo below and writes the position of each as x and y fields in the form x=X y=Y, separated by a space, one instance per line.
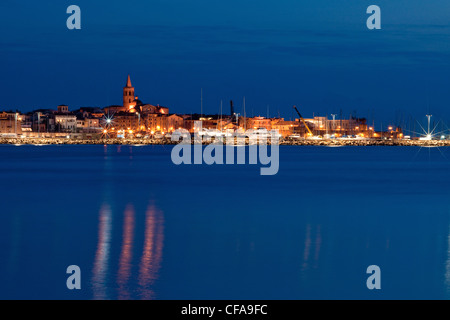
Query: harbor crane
x=303 y=120
x=234 y=117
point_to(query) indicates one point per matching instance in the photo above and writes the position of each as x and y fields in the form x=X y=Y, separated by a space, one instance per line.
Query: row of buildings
x=136 y=118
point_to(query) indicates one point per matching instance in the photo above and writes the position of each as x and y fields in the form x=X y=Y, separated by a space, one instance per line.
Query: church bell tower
x=128 y=94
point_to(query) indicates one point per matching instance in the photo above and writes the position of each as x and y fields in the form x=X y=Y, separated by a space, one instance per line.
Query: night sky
x=318 y=55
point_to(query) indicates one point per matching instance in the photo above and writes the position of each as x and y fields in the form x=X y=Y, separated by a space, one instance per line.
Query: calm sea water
x=140 y=227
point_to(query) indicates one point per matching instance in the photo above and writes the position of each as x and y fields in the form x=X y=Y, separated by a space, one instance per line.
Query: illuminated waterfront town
x=135 y=119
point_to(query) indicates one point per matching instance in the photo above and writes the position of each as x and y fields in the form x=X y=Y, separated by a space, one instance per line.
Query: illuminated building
x=128 y=94
x=10 y=123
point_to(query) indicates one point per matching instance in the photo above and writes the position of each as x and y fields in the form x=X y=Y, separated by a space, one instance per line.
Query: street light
x=429 y=117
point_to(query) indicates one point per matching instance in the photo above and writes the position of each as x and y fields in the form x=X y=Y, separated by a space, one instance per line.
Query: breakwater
x=298 y=142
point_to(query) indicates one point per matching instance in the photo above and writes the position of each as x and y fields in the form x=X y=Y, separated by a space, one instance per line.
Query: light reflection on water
x=152 y=252
x=447 y=266
x=149 y=262
x=308 y=246
x=126 y=253
x=100 y=271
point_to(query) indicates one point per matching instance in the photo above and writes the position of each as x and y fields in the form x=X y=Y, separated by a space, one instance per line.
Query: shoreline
x=282 y=142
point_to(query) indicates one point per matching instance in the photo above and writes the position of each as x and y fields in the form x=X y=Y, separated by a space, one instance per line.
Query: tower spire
x=128 y=94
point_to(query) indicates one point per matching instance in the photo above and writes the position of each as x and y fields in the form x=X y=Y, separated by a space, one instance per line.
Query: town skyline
x=240 y=110
x=135 y=117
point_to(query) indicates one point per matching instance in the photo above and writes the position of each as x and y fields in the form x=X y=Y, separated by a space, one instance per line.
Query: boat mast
x=220 y=116
x=201 y=101
x=245 y=121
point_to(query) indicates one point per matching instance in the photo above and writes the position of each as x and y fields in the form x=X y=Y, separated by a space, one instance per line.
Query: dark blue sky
x=318 y=55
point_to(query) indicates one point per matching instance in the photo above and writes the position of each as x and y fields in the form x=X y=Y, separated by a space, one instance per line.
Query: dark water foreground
x=140 y=227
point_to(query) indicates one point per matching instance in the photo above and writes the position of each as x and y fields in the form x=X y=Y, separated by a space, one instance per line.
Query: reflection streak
x=152 y=252
x=102 y=253
x=126 y=253
x=447 y=265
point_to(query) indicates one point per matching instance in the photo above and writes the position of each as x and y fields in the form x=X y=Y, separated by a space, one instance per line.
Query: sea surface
x=141 y=227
